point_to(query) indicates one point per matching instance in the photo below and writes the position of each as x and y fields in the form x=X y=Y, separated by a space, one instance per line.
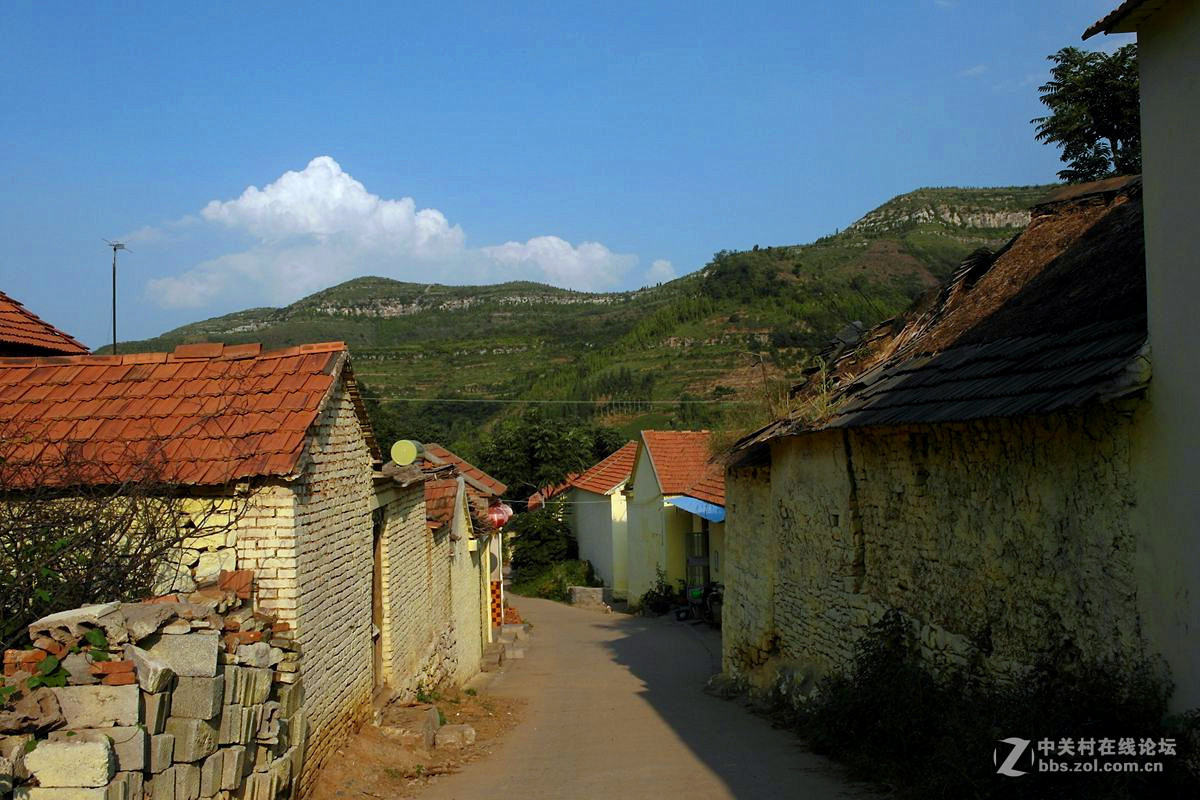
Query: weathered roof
x=610 y=473
x=1125 y=18
x=21 y=330
x=436 y=454
x=205 y=414
x=1054 y=320
x=682 y=464
x=482 y=489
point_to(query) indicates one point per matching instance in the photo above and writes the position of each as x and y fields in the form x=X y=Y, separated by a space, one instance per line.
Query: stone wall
x=1002 y=539
x=180 y=698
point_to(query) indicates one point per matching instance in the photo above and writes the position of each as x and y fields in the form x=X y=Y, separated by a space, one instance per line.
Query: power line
x=396 y=399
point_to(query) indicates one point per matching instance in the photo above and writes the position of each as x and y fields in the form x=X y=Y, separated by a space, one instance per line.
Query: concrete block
x=210 y=774
x=257 y=654
x=134 y=786
x=246 y=686
x=70 y=626
x=233 y=766
x=98 y=706
x=80 y=670
x=155 y=710
x=162 y=752
x=187 y=781
x=82 y=763
x=146 y=619
x=60 y=793
x=153 y=674
x=198 y=698
x=194 y=738
x=12 y=749
x=162 y=787
x=190 y=656
x=130 y=744
x=454 y=736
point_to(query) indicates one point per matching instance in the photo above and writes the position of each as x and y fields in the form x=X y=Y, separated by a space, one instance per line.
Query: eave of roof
x=205 y=414
x=607 y=475
x=1126 y=17
x=22 y=328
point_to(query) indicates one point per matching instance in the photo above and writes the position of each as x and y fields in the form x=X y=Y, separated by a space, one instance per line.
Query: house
x=1168 y=37
x=24 y=334
x=676 y=499
x=597 y=506
x=982 y=470
x=462 y=501
x=340 y=550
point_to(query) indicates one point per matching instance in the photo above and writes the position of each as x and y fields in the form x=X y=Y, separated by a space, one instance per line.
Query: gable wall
x=645 y=532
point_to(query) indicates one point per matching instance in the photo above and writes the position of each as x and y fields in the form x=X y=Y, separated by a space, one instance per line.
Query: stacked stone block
x=212 y=708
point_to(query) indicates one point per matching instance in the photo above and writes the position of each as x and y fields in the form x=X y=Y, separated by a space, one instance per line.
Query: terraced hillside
x=744 y=321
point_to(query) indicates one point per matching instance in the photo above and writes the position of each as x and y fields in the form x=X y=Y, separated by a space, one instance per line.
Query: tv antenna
x=115 y=247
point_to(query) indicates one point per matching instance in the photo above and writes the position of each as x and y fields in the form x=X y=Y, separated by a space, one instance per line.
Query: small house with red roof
x=599 y=518
x=676 y=511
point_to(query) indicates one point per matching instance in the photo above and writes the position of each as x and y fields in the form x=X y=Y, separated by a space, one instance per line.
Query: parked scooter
x=703 y=604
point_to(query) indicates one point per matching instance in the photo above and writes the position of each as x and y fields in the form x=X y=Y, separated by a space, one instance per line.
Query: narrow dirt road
x=616 y=709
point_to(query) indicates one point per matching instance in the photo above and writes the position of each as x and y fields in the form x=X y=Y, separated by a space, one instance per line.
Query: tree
x=73 y=531
x=533 y=451
x=1094 y=113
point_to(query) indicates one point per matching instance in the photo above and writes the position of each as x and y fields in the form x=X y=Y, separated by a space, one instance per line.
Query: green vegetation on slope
x=628 y=359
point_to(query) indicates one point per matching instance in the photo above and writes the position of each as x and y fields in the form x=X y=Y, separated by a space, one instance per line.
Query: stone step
x=520 y=631
x=513 y=651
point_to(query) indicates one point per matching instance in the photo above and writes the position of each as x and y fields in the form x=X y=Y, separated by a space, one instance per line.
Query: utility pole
x=115 y=247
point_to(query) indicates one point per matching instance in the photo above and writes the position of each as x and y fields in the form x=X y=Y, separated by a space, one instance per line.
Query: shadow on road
x=674 y=660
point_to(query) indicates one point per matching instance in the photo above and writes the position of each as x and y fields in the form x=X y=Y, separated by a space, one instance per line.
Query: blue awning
x=709 y=511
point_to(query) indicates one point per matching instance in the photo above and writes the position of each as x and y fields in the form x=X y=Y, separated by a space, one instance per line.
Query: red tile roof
x=205 y=414
x=681 y=461
x=609 y=473
x=1124 y=18
x=436 y=454
x=23 y=333
x=439 y=501
x=482 y=489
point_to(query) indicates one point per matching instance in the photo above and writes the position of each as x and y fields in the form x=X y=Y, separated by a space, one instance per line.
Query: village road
x=616 y=709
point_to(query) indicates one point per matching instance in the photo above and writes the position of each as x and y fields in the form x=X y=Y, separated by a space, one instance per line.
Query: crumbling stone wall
x=1001 y=538
x=179 y=698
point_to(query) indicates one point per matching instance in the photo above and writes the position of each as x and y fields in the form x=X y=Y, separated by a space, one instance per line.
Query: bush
x=554 y=582
x=660 y=598
x=891 y=720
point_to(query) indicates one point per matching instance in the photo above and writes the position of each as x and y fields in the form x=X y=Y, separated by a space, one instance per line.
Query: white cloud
x=660 y=271
x=316 y=227
x=591 y=265
x=974 y=72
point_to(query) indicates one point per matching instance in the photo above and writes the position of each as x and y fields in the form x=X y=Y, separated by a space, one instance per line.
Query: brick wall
x=333 y=572
x=1010 y=535
x=418 y=634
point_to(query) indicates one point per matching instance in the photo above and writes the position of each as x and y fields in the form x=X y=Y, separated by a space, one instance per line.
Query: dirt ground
x=377 y=762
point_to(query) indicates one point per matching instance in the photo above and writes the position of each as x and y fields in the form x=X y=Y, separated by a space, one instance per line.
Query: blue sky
x=592 y=145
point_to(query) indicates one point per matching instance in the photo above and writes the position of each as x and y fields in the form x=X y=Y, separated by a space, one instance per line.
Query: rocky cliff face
x=889 y=218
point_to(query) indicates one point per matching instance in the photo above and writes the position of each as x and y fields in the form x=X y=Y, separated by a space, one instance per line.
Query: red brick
x=119 y=679
x=56 y=649
x=111 y=667
x=239 y=581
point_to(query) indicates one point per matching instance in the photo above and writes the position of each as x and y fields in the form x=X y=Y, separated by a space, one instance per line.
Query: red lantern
x=498 y=514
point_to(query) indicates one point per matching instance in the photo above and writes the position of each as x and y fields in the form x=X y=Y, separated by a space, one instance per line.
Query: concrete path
x=615 y=710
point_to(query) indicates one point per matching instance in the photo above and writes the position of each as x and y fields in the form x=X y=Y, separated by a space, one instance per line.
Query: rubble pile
x=181 y=697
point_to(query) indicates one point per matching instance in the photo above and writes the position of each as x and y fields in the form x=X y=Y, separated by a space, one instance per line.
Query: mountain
x=731 y=334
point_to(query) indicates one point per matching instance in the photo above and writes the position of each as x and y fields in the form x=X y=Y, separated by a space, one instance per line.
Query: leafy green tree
x=1094 y=113
x=533 y=451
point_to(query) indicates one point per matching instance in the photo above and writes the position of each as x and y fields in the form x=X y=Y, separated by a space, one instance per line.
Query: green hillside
x=692 y=339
